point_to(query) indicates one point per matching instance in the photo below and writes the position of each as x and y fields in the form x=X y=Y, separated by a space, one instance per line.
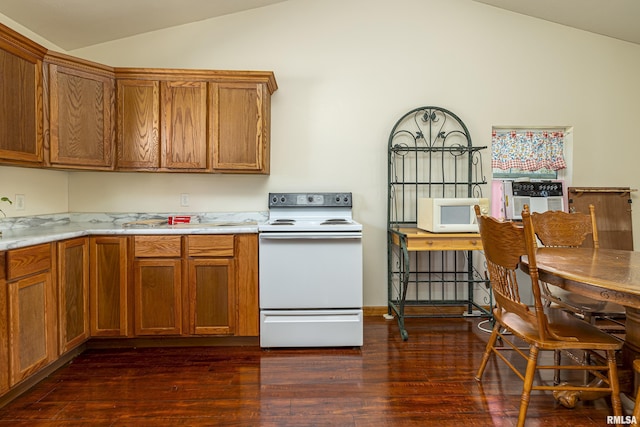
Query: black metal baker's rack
x=430 y=155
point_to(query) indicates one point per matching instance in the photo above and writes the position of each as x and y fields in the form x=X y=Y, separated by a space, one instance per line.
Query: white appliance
x=541 y=196
x=310 y=262
x=450 y=215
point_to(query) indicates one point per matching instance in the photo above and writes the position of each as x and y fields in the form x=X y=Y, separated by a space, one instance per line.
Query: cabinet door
x=32 y=325
x=184 y=125
x=108 y=287
x=212 y=296
x=240 y=120
x=4 y=330
x=73 y=293
x=20 y=107
x=158 y=297
x=247 y=284
x=81 y=128
x=138 y=124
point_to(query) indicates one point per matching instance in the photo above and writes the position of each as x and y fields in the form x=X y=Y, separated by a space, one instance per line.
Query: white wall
x=348 y=69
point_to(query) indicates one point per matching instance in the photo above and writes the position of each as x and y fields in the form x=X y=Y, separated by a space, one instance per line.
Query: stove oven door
x=311 y=289
x=310 y=270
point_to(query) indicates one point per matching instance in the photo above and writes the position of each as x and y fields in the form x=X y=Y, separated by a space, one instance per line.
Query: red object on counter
x=176 y=219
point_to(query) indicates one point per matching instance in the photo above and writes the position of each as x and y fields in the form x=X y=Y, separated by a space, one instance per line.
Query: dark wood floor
x=427 y=380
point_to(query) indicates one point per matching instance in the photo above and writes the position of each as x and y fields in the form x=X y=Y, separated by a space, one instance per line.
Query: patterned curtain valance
x=529 y=150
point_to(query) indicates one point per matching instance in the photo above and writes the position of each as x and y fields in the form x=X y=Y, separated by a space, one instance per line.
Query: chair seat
x=585 y=304
x=561 y=323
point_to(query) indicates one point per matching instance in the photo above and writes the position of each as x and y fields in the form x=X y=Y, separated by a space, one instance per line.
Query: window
x=529 y=152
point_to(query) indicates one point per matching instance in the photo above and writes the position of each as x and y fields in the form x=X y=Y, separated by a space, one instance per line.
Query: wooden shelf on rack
x=421 y=240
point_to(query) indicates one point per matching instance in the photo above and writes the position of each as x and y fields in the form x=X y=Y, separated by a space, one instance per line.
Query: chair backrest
x=558 y=228
x=504 y=243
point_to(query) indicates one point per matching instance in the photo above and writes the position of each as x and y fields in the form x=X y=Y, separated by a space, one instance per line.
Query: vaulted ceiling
x=73 y=24
x=612 y=18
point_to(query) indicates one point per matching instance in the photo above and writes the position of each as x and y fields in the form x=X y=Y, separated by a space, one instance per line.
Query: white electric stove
x=310 y=272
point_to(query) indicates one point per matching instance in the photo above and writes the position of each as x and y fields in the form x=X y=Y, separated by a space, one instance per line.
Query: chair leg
x=636 y=408
x=532 y=363
x=487 y=353
x=557 y=355
x=613 y=382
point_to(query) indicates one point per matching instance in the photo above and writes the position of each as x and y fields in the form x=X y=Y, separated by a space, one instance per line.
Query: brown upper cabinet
x=81 y=111
x=240 y=120
x=184 y=125
x=64 y=112
x=21 y=101
x=193 y=120
x=138 y=137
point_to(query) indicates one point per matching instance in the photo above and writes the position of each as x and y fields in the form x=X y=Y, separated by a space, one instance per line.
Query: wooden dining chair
x=636 y=408
x=562 y=229
x=541 y=328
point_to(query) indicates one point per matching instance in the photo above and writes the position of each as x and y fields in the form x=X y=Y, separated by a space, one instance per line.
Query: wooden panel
x=28 y=260
x=158 y=297
x=184 y=125
x=4 y=331
x=214 y=245
x=248 y=312
x=613 y=214
x=211 y=296
x=158 y=246
x=138 y=139
x=240 y=127
x=73 y=292
x=81 y=118
x=108 y=286
x=20 y=108
x=32 y=325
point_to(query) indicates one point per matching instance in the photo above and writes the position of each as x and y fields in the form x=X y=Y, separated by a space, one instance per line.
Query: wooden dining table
x=605 y=275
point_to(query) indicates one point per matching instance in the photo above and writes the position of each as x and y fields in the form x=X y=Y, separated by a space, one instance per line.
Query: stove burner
x=336 y=221
x=283 y=221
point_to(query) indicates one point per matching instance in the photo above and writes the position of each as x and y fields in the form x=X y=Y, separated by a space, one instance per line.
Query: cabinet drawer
x=30 y=260
x=210 y=245
x=157 y=246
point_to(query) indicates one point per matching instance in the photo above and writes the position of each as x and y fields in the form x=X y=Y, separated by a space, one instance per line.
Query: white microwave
x=450 y=215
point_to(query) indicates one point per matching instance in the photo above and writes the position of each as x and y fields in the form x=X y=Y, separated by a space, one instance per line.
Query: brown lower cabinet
x=108 y=268
x=4 y=330
x=180 y=285
x=157 y=285
x=188 y=285
x=73 y=292
x=55 y=296
x=31 y=310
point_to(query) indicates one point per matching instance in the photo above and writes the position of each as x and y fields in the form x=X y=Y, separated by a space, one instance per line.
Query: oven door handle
x=312 y=236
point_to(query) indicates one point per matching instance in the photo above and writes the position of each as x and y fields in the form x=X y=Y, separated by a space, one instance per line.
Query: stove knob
x=338 y=199
x=275 y=199
x=310 y=199
x=346 y=199
x=282 y=199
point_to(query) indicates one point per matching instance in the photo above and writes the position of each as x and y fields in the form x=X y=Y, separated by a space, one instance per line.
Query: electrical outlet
x=184 y=200
x=19 y=201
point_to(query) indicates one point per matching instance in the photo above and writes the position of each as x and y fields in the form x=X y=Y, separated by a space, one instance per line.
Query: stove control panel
x=342 y=200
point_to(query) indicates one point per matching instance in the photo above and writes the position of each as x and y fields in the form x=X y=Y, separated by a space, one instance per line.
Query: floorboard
x=427 y=380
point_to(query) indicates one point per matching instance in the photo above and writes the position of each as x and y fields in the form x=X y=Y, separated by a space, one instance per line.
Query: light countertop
x=27 y=231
